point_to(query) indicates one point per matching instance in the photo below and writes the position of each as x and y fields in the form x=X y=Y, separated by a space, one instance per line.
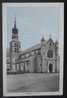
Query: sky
x=34 y=22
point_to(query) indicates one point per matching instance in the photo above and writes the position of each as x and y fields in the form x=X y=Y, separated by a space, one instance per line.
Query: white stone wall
x=39 y=63
x=58 y=64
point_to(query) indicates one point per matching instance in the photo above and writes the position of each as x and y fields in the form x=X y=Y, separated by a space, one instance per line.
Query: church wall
x=13 y=67
x=35 y=62
x=38 y=63
x=43 y=52
x=31 y=68
x=44 y=65
x=58 y=64
x=22 y=67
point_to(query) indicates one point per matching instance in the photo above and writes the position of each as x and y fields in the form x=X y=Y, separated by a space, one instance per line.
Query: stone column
x=16 y=67
x=54 y=66
x=44 y=66
x=19 y=67
x=26 y=67
x=31 y=64
x=39 y=64
x=48 y=68
x=58 y=63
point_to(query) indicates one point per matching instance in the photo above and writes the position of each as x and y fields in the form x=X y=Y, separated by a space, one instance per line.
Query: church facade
x=42 y=57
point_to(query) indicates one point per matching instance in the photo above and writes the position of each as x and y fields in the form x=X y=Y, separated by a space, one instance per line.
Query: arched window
x=50 y=53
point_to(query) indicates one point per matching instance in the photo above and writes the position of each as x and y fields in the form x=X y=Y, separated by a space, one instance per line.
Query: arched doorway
x=50 y=68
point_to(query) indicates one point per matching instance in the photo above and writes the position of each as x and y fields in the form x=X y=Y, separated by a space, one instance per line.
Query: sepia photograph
x=33 y=45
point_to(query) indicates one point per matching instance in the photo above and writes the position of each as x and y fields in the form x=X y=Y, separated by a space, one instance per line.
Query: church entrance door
x=50 y=68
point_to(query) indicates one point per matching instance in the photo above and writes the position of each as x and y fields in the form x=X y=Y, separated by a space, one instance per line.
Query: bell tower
x=14 y=47
x=15 y=44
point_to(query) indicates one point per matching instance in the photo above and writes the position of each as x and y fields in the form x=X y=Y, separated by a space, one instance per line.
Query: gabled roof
x=42 y=39
x=50 y=40
x=35 y=47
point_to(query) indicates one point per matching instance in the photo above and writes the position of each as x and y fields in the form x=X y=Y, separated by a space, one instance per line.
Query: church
x=40 y=58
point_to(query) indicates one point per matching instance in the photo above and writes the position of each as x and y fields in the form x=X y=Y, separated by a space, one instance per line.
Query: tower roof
x=42 y=39
x=15 y=30
x=50 y=40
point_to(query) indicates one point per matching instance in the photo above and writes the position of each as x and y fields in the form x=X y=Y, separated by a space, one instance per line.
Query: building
x=42 y=57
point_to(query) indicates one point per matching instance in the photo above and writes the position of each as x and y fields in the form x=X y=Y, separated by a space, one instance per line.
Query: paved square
x=30 y=82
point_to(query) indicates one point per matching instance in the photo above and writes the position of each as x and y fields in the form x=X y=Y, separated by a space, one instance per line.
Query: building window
x=28 y=63
x=38 y=52
x=50 y=44
x=15 y=44
x=50 y=53
x=15 y=50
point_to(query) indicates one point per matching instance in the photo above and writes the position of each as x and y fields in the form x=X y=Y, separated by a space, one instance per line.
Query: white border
x=4 y=28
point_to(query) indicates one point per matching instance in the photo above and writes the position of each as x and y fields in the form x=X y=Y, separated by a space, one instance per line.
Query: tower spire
x=14 y=30
x=15 y=22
